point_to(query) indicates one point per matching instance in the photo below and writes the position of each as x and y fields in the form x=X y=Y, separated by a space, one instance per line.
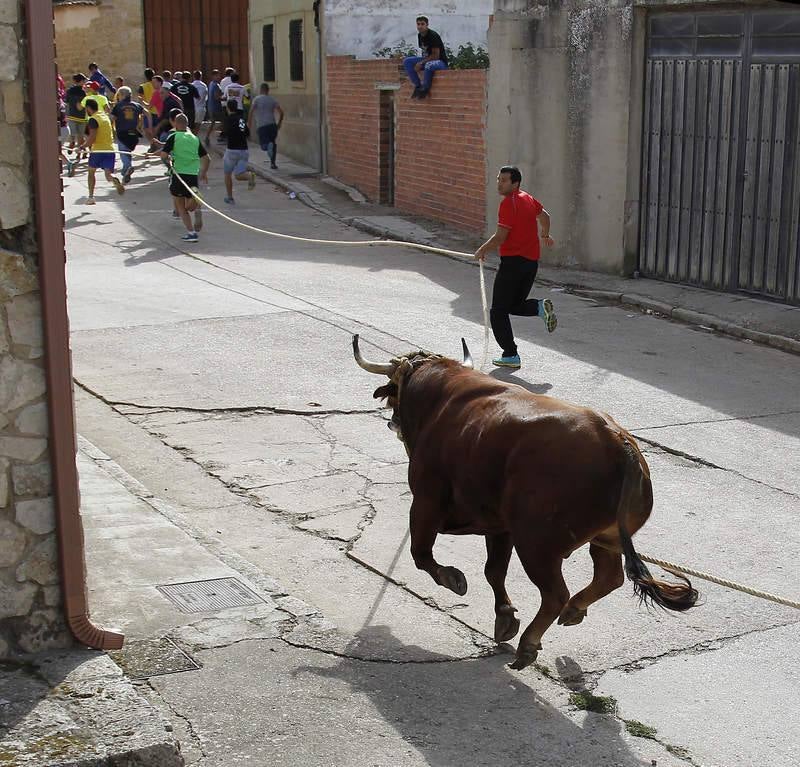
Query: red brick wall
x=440 y=150
x=354 y=120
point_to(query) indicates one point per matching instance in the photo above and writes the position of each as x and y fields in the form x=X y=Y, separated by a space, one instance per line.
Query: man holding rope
x=189 y=165
x=517 y=239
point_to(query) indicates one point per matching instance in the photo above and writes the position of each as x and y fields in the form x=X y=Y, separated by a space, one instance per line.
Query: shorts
x=176 y=189
x=235 y=161
x=268 y=134
x=76 y=129
x=149 y=120
x=218 y=115
x=199 y=115
x=104 y=160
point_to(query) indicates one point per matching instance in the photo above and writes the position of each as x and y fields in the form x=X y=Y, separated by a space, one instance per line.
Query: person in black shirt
x=169 y=101
x=234 y=161
x=127 y=119
x=187 y=93
x=435 y=58
x=76 y=115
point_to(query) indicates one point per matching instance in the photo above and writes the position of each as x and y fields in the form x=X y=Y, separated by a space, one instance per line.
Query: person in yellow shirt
x=119 y=82
x=100 y=143
x=145 y=92
x=91 y=93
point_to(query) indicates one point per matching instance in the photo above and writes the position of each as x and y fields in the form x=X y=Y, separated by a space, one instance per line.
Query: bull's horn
x=467 y=363
x=381 y=368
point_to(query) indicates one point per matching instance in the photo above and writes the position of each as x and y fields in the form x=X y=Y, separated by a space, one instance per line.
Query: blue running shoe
x=190 y=237
x=230 y=200
x=508 y=362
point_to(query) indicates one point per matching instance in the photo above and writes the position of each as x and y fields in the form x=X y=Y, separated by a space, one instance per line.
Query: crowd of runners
x=170 y=111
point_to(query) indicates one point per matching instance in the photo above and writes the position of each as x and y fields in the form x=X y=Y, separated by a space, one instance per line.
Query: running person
x=214 y=103
x=187 y=93
x=200 y=101
x=263 y=111
x=91 y=88
x=76 y=119
x=99 y=141
x=189 y=165
x=127 y=117
x=234 y=162
x=517 y=238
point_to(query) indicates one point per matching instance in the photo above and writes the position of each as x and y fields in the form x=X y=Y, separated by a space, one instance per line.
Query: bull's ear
x=384 y=392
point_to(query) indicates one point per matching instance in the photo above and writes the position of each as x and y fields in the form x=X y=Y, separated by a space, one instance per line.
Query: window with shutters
x=296 y=50
x=268 y=48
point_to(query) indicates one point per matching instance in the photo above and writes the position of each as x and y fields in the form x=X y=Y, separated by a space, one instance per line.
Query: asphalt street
x=219 y=376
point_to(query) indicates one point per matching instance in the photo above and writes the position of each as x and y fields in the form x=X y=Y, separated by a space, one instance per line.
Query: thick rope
x=669 y=566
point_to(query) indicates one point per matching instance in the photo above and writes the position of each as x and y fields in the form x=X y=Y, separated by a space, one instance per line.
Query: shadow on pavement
x=477 y=712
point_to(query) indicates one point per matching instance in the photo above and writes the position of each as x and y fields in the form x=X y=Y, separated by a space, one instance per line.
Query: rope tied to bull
x=403 y=364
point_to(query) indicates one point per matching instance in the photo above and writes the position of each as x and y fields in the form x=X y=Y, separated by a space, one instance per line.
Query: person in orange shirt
x=517 y=240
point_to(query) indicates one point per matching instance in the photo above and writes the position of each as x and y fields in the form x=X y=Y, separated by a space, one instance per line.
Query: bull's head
x=395 y=370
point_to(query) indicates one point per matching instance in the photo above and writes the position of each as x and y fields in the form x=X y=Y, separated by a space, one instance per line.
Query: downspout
x=323 y=148
x=40 y=33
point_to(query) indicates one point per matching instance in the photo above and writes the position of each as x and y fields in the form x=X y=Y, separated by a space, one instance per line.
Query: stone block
x=26 y=449
x=41 y=565
x=13 y=102
x=52 y=596
x=25 y=319
x=14 y=191
x=32 y=479
x=45 y=630
x=12 y=145
x=38 y=516
x=3 y=483
x=16 y=278
x=9 y=61
x=20 y=383
x=33 y=420
x=16 y=600
x=9 y=11
x=12 y=543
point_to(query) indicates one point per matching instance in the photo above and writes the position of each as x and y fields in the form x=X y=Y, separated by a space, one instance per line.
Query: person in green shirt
x=189 y=161
x=91 y=93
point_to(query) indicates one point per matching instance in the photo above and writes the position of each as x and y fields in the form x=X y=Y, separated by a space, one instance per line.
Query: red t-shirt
x=518 y=214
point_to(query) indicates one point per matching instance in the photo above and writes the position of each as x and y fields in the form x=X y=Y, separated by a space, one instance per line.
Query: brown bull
x=528 y=472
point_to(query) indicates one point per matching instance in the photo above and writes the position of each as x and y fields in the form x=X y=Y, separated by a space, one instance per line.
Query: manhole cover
x=216 y=594
x=141 y=658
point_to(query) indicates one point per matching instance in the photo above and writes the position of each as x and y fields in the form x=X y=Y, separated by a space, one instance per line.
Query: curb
x=646 y=303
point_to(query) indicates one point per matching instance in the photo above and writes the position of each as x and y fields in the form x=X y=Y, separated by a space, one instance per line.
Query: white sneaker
x=90 y=200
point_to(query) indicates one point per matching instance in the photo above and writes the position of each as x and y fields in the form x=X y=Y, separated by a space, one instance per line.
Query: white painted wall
x=360 y=27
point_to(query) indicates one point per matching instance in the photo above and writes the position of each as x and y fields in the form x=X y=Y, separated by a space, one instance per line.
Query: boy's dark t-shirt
x=75 y=94
x=430 y=41
x=126 y=117
x=187 y=93
x=236 y=130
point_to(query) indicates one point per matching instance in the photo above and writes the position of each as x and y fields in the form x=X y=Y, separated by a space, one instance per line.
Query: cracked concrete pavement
x=229 y=434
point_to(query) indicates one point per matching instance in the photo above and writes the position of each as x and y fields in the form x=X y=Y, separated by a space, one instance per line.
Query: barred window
x=296 y=50
x=268 y=48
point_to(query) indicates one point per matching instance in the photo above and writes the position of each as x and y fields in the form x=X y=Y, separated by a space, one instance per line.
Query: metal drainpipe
x=323 y=154
x=40 y=34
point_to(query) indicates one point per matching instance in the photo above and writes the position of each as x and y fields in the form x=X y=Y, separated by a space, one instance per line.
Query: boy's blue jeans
x=411 y=61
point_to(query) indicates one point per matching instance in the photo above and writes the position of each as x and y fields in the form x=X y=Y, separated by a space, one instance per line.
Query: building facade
x=663 y=136
x=290 y=37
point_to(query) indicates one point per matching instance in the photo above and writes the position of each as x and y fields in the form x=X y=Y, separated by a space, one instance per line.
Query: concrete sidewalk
x=733 y=314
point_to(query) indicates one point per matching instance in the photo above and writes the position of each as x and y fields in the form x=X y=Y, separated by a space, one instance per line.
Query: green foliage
x=599 y=704
x=639 y=730
x=468 y=56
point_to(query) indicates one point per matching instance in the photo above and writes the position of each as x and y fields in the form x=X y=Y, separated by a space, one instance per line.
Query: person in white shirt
x=200 y=103
x=234 y=92
x=226 y=80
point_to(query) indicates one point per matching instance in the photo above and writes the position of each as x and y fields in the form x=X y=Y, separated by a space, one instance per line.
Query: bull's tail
x=671 y=596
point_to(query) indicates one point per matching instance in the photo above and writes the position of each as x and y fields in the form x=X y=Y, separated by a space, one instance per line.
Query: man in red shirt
x=517 y=239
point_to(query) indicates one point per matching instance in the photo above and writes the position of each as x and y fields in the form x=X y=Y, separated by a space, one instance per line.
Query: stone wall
x=109 y=32
x=563 y=106
x=439 y=142
x=30 y=595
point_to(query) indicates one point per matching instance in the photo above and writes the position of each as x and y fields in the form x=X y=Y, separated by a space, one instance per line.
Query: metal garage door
x=721 y=151
x=192 y=34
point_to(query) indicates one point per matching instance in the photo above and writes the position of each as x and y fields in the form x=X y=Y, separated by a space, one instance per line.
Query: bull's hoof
x=506 y=624
x=452 y=578
x=571 y=616
x=525 y=656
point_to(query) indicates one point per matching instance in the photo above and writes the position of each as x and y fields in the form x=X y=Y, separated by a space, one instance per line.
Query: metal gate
x=197 y=34
x=721 y=152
